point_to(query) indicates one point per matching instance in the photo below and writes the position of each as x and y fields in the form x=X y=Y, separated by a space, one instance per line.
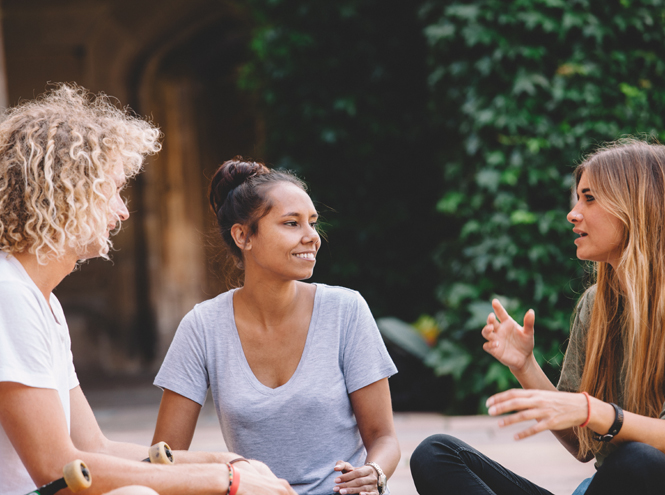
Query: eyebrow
x=296 y=214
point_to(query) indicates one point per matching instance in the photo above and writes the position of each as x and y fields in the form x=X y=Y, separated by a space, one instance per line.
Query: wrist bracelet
x=234 y=479
x=616 y=426
x=588 y=414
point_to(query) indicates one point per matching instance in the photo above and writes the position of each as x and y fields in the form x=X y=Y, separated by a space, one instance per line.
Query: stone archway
x=191 y=91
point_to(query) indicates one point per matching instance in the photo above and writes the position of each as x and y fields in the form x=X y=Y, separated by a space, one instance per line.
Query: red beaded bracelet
x=588 y=405
x=234 y=479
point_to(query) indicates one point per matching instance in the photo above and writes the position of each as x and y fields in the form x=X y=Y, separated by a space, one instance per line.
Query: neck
x=269 y=301
x=46 y=277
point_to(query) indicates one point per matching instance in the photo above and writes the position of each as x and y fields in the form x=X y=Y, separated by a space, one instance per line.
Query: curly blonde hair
x=57 y=155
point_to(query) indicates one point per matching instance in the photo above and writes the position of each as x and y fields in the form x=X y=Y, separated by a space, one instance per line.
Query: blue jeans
x=442 y=464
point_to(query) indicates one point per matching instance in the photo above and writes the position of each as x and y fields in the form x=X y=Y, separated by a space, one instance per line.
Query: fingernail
x=492 y=411
x=343 y=491
x=338 y=480
x=489 y=402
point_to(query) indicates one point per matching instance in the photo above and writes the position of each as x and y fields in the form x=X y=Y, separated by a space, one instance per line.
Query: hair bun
x=231 y=174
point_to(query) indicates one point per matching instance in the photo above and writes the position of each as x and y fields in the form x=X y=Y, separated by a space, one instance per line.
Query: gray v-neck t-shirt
x=303 y=427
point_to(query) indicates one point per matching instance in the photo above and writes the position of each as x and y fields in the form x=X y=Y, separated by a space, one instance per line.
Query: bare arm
x=373 y=410
x=562 y=410
x=35 y=423
x=176 y=423
x=512 y=345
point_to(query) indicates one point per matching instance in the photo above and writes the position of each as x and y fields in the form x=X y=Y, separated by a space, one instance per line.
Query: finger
x=532 y=430
x=343 y=466
x=507 y=395
x=527 y=415
x=487 y=331
x=512 y=405
x=500 y=311
x=529 y=321
x=364 y=473
x=491 y=346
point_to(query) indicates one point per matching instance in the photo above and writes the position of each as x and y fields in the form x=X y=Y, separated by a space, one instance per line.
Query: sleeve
x=184 y=369
x=365 y=357
x=25 y=341
x=573 y=361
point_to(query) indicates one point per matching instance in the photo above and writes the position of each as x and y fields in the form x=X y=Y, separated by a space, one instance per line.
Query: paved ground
x=129 y=414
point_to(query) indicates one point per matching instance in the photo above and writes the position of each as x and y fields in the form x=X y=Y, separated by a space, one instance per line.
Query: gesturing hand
x=552 y=410
x=508 y=342
x=361 y=480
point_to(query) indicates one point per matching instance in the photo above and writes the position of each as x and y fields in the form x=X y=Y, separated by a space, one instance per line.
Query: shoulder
x=585 y=303
x=339 y=295
x=16 y=296
x=210 y=310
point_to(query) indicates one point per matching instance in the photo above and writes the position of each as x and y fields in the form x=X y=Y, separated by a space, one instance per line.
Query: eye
x=589 y=198
x=291 y=223
x=314 y=224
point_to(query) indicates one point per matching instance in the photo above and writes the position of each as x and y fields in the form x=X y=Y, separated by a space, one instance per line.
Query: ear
x=241 y=237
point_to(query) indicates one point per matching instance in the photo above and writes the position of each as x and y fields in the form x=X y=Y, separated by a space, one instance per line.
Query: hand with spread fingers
x=510 y=343
x=362 y=480
x=552 y=410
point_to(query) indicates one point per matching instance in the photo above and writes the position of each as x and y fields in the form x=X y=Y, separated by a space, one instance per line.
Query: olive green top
x=573 y=362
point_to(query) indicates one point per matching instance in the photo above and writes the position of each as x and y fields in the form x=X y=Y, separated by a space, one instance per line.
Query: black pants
x=442 y=464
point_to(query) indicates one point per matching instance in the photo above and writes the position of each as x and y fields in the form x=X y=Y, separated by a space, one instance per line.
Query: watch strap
x=616 y=426
x=381 y=482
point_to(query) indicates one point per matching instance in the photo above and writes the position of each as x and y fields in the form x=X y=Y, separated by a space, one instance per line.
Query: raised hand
x=361 y=480
x=507 y=341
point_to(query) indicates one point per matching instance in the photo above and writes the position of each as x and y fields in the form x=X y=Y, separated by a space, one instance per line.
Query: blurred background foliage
x=438 y=139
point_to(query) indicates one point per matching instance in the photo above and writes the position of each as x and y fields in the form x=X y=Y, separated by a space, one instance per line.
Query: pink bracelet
x=234 y=479
x=588 y=405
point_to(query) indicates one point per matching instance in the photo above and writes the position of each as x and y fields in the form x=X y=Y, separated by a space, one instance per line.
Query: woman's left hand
x=361 y=480
x=552 y=410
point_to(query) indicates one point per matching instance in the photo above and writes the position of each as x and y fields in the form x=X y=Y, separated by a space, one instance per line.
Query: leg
x=633 y=468
x=444 y=464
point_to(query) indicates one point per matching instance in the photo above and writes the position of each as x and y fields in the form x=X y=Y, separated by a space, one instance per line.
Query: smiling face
x=601 y=234
x=287 y=241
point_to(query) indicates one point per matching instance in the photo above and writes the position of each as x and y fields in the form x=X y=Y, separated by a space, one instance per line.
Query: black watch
x=616 y=426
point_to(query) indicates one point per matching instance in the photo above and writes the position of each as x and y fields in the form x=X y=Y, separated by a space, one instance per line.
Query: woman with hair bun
x=298 y=372
x=616 y=353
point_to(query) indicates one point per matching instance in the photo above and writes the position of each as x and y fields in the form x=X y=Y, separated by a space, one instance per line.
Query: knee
x=132 y=490
x=430 y=450
x=635 y=460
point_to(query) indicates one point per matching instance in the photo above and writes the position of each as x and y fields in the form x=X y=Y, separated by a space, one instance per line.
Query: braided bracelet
x=234 y=479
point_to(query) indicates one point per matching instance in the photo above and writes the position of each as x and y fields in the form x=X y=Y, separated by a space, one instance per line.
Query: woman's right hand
x=507 y=341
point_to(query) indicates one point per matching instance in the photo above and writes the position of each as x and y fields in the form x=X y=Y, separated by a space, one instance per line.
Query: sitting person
x=298 y=372
x=615 y=357
x=64 y=158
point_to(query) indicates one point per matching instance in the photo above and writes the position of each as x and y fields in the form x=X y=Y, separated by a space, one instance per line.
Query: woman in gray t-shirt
x=298 y=372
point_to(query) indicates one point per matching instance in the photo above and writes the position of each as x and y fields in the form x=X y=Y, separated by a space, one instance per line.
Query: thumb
x=529 y=321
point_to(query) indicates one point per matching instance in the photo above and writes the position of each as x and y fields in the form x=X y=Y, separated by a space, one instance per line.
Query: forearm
x=386 y=453
x=531 y=377
x=111 y=472
x=636 y=428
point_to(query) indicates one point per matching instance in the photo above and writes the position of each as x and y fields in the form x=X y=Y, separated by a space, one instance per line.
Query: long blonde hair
x=57 y=153
x=626 y=335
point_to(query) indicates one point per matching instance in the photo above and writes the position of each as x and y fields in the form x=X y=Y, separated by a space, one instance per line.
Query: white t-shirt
x=303 y=427
x=35 y=350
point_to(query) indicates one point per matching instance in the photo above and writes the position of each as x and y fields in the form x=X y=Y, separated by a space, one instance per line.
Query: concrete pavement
x=129 y=414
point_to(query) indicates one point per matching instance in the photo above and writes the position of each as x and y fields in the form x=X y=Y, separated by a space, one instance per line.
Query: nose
x=574 y=216
x=121 y=209
x=311 y=236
